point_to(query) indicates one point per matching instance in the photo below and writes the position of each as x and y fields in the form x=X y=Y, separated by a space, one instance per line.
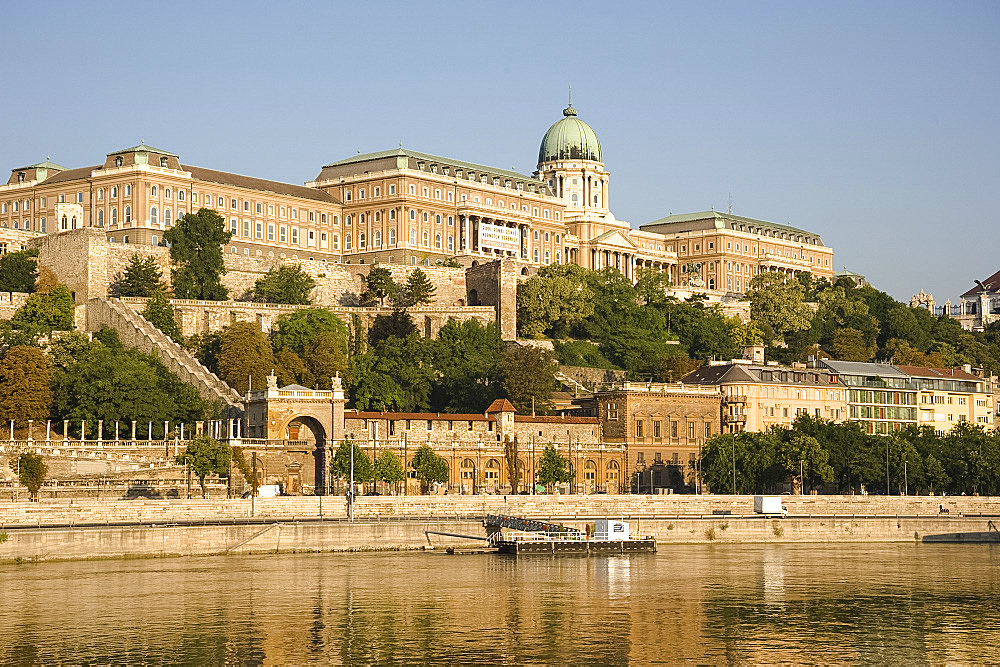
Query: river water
x=884 y=603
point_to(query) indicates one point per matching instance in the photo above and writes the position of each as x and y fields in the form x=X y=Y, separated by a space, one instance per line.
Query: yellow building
x=757 y=396
x=723 y=252
x=950 y=396
x=408 y=207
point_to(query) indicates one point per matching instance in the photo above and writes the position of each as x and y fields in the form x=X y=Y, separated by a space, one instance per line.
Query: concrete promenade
x=68 y=530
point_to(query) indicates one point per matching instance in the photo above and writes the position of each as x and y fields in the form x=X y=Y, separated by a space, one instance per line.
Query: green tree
x=849 y=345
x=529 y=378
x=285 y=284
x=652 y=286
x=553 y=301
x=397 y=325
x=205 y=456
x=68 y=347
x=466 y=357
x=25 y=385
x=389 y=468
x=141 y=277
x=160 y=313
x=513 y=472
x=379 y=286
x=119 y=385
x=418 y=290
x=430 y=468
x=19 y=271
x=935 y=477
x=245 y=468
x=296 y=330
x=290 y=369
x=553 y=468
x=394 y=375
x=581 y=353
x=803 y=453
x=206 y=348
x=326 y=356
x=341 y=464
x=244 y=354
x=777 y=306
x=43 y=313
x=196 y=252
x=31 y=470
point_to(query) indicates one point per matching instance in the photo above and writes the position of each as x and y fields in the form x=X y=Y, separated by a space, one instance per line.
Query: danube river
x=885 y=603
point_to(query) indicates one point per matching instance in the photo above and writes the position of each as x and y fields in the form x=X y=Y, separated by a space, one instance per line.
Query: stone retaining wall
x=475 y=507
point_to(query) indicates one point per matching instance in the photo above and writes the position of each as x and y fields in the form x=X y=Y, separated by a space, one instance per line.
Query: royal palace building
x=407 y=207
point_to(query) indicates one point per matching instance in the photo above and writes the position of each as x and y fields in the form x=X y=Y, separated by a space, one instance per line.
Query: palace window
x=152 y=191
x=152 y=214
x=392 y=236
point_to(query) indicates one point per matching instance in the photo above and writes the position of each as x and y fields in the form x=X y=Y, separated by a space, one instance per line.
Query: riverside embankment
x=61 y=530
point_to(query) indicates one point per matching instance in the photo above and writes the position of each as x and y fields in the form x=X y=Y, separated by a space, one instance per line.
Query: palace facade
x=407 y=207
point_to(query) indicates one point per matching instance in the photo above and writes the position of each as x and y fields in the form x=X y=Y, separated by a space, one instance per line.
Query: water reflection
x=867 y=603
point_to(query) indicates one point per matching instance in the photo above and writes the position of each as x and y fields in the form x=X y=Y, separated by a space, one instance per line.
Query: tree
x=205 y=456
x=18 y=271
x=245 y=468
x=553 y=301
x=553 y=467
x=528 y=378
x=397 y=325
x=430 y=468
x=776 y=305
x=417 y=290
x=160 y=313
x=466 y=357
x=379 y=285
x=206 y=348
x=849 y=345
x=43 y=313
x=290 y=369
x=652 y=286
x=141 y=277
x=389 y=468
x=803 y=454
x=31 y=470
x=296 y=330
x=513 y=471
x=285 y=284
x=341 y=464
x=25 y=385
x=244 y=354
x=394 y=375
x=326 y=356
x=120 y=385
x=196 y=251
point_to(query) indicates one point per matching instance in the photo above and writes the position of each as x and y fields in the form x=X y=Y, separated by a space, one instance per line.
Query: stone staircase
x=135 y=332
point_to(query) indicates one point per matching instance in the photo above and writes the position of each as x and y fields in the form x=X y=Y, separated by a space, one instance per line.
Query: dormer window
x=119 y=161
x=163 y=162
x=20 y=177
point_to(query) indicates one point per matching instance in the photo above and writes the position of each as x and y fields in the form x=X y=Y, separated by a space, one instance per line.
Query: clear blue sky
x=873 y=124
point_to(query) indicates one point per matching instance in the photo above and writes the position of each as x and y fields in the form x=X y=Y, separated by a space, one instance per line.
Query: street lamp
x=802 y=479
x=906 y=483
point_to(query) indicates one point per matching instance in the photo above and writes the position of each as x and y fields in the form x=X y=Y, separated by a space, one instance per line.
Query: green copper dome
x=570 y=139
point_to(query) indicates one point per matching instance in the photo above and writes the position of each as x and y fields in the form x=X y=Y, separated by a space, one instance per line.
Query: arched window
x=437 y=241
x=392 y=236
x=336 y=241
x=492 y=472
x=128 y=214
x=128 y=190
x=114 y=192
x=347 y=242
x=378 y=239
x=73 y=223
x=152 y=191
x=100 y=194
x=166 y=193
x=114 y=216
x=100 y=217
x=361 y=241
x=451 y=243
x=180 y=197
x=152 y=214
x=427 y=239
x=413 y=236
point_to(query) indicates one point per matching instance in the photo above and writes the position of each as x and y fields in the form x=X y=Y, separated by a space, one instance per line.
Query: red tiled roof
x=548 y=419
x=500 y=405
x=992 y=284
x=938 y=373
x=428 y=416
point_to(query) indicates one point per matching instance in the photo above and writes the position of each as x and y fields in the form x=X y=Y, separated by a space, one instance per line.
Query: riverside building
x=408 y=207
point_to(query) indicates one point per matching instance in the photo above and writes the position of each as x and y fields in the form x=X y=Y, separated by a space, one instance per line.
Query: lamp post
x=906 y=482
x=802 y=479
x=887 y=466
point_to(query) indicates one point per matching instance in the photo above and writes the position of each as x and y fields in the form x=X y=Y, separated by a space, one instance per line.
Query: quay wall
x=284 y=536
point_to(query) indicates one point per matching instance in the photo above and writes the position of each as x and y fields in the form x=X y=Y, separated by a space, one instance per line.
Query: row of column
x=215 y=428
x=626 y=263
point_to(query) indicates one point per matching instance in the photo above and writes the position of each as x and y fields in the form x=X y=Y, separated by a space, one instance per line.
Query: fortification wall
x=10 y=302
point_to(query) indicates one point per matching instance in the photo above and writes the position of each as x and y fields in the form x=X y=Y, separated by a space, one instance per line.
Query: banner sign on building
x=499 y=237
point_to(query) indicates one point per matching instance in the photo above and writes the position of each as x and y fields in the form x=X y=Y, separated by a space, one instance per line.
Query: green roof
x=143 y=148
x=403 y=152
x=570 y=138
x=48 y=164
x=846 y=273
x=720 y=219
